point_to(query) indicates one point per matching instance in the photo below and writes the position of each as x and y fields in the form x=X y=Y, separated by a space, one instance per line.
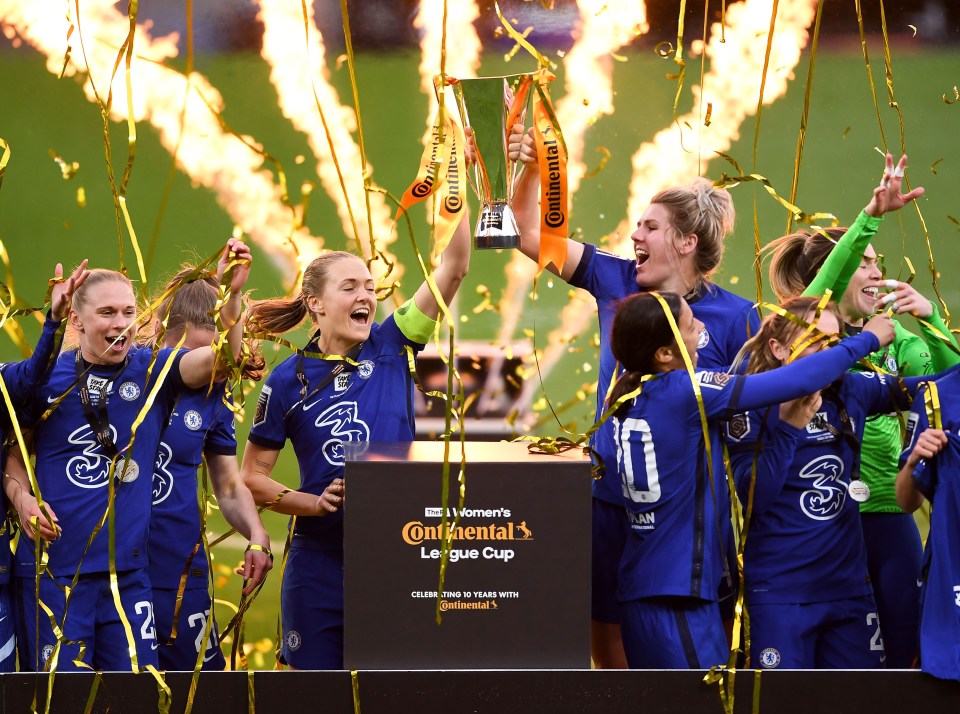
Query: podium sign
x=517 y=587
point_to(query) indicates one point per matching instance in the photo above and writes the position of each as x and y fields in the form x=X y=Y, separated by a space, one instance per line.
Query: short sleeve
x=269 y=420
x=222 y=437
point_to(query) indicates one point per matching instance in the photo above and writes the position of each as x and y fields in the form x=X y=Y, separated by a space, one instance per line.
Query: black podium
x=517 y=586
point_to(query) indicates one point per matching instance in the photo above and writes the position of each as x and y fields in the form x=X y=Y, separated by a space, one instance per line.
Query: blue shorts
x=91 y=619
x=8 y=639
x=894 y=561
x=311 y=607
x=673 y=633
x=838 y=634
x=610 y=531
x=181 y=654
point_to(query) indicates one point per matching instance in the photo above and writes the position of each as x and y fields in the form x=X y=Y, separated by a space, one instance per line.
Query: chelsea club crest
x=129 y=391
x=704 y=339
x=192 y=420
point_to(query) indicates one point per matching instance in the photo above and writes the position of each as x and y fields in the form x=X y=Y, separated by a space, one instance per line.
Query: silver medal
x=859 y=491
x=126 y=469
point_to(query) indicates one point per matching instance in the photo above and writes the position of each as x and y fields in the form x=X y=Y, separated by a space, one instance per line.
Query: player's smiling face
x=860 y=298
x=345 y=310
x=103 y=321
x=658 y=251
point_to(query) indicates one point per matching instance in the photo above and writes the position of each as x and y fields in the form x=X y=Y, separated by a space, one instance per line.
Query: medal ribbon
x=97 y=417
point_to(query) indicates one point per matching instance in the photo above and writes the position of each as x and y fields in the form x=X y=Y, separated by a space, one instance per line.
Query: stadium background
x=41 y=222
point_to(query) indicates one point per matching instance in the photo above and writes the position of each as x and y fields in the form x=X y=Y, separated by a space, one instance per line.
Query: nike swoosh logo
x=51 y=400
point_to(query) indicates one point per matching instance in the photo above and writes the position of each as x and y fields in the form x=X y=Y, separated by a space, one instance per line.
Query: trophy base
x=497 y=227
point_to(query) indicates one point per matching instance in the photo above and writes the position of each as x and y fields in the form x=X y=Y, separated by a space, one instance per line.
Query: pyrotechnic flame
x=731 y=85
x=463 y=46
x=209 y=155
x=293 y=64
x=605 y=26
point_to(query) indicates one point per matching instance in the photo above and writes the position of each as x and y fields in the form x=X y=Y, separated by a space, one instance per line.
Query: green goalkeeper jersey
x=908 y=355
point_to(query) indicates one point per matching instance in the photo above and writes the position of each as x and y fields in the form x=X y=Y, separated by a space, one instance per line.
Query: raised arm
x=812 y=373
x=236 y=504
x=198 y=366
x=448 y=276
x=840 y=265
x=22 y=378
x=521 y=146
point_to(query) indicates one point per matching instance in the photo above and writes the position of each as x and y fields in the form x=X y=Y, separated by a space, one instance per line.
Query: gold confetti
x=67 y=168
x=664 y=49
x=299 y=159
x=914 y=28
x=81 y=197
x=706 y=119
x=590 y=174
x=956 y=96
x=934 y=165
x=734 y=279
x=846 y=131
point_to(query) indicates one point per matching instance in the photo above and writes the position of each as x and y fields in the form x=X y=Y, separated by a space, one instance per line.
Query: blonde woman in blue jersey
x=318 y=404
x=94 y=473
x=677 y=246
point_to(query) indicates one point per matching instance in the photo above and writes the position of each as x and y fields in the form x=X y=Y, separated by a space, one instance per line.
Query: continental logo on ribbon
x=416 y=532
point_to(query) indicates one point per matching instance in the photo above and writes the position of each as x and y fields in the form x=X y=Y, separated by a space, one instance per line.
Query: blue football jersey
x=939 y=480
x=373 y=402
x=804 y=543
x=72 y=467
x=199 y=424
x=728 y=321
x=675 y=545
x=21 y=380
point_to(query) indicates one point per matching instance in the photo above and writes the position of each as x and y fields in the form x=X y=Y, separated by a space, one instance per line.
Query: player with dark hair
x=668 y=453
x=20 y=379
x=930 y=468
x=320 y=403
x=98 y=421
x=200 y=430
x=678 y=245
x=811 y=263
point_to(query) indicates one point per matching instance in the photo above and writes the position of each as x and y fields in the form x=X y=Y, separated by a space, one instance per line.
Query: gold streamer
x=542 y=60
x=805 y=114
x=355 y=686
x=4 y=158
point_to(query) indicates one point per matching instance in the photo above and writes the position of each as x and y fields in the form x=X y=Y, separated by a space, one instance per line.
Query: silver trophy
x=485 y=105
